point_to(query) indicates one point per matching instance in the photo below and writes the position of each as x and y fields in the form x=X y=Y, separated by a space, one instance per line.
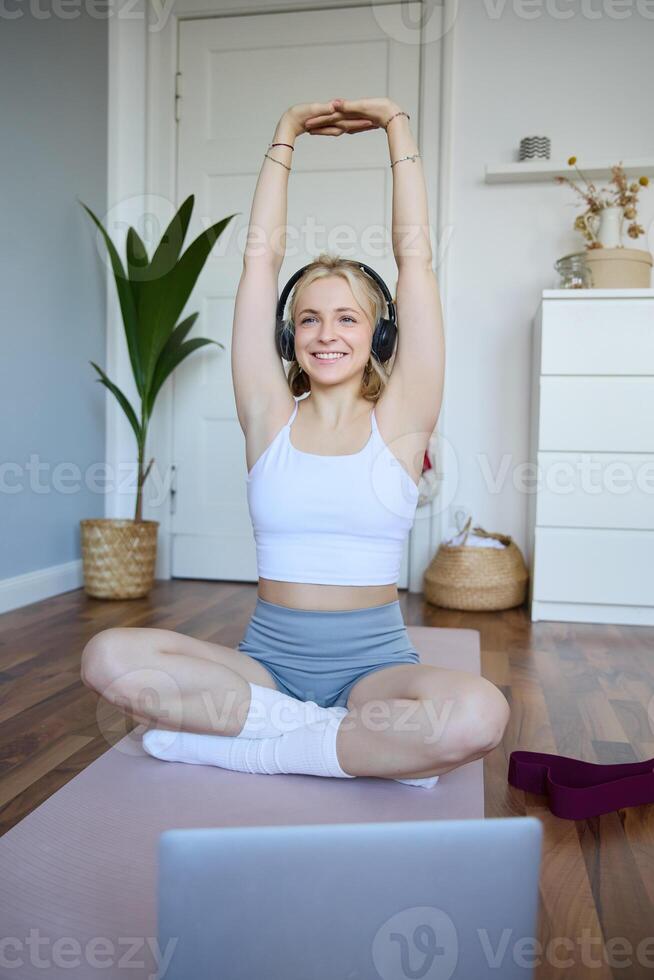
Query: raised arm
x=419 y=365
x=257 y=370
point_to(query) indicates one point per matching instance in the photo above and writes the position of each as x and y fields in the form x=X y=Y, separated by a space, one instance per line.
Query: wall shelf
x=547 y=170
x=580 y=294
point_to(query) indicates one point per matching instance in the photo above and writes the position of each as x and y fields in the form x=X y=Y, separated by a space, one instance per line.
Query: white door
x=238 y=74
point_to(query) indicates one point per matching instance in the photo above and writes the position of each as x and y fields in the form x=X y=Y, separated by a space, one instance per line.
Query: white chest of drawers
x=591 y=486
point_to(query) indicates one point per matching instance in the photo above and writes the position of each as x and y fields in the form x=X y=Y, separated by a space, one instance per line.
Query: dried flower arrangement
x=623 y=195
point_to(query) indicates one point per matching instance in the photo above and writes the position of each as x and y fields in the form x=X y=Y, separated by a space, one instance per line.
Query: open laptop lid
x=410 y=899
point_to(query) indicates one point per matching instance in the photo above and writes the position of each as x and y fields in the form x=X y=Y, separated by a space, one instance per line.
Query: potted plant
x=119 y=554
x=612 y=266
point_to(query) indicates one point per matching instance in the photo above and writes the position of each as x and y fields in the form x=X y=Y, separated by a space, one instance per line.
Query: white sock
x=272 y=713
x=426 y=782
x=310 y=750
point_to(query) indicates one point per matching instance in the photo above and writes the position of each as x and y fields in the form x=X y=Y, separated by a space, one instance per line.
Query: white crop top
x=332 y=520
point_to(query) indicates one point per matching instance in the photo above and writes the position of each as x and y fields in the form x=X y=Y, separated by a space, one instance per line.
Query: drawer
x=597 y=336
x=593 y=566
x=602 y=490
x=596 y=414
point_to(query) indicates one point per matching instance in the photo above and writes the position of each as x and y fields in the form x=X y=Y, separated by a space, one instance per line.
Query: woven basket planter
x=476 y=579
x=118 y=557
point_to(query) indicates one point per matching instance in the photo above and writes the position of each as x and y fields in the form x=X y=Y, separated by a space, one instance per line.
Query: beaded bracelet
x=397 y=114
x=414 y=157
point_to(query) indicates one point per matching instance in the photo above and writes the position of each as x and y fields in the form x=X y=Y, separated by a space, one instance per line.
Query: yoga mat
x=78 y=875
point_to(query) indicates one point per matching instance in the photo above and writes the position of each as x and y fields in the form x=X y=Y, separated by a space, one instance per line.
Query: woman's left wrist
x=391 y=109
x=394 y=112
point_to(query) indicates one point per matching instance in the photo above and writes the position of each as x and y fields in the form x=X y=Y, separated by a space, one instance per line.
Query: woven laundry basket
x=118 y=557
x=466 y=577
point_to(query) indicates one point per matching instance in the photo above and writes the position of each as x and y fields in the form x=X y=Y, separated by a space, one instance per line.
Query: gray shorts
x=317 y=655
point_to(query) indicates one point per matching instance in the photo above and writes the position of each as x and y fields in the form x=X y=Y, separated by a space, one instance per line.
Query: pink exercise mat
x=78 y=874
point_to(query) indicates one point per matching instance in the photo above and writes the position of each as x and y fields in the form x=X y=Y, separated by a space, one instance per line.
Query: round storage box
x=619 y=268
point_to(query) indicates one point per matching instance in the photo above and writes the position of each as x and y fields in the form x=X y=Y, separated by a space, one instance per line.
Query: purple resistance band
x=578 y=789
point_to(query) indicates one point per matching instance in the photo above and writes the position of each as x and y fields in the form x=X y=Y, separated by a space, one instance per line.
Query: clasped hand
x=340 y=116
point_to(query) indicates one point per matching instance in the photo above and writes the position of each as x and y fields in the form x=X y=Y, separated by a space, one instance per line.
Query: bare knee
x=468 y=726
x=487 y=714
x=102 y=659
x=128 y=674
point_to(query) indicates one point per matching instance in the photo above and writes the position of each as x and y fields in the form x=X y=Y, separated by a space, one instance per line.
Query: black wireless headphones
x=384 y=336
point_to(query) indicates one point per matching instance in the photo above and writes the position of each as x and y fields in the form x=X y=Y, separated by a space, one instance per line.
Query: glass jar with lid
x=574 y=272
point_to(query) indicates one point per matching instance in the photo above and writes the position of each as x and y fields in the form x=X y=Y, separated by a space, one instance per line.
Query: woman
x=326 y=680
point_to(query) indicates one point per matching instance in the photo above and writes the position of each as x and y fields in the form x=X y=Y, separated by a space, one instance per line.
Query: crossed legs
x=411 y=720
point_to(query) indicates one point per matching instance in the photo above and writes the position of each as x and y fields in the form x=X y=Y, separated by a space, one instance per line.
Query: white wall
x=585 y=82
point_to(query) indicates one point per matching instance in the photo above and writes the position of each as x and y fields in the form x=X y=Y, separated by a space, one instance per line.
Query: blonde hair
x=368 y=295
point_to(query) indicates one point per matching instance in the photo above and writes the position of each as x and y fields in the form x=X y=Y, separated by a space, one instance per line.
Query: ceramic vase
x=610 y=227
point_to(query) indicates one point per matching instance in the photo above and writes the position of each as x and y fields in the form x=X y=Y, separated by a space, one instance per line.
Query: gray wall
x=53 y=149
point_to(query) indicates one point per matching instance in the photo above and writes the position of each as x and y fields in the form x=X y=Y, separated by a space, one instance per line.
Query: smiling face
x=329 y=321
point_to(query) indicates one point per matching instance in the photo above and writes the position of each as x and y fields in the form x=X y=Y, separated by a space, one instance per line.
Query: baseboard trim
x=40 y=584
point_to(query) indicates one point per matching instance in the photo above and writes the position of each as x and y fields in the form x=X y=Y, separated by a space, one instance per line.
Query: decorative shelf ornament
x=534 y=147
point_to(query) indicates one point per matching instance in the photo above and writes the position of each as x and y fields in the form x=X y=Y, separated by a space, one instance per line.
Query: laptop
x=426 y=900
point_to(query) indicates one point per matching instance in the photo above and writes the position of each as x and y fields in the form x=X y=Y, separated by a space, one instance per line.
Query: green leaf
x=127 y=305
x=180 y=331
x=124 y=403
x=163 y=262
x=170 y=246
x=162 y=370
x=137 y=263
x=172 y=359
x=164 y=299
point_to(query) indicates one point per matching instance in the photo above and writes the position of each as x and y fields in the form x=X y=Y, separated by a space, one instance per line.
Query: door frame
x=143 y=58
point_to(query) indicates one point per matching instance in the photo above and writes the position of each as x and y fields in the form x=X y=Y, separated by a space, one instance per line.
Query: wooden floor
x=577 y=689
